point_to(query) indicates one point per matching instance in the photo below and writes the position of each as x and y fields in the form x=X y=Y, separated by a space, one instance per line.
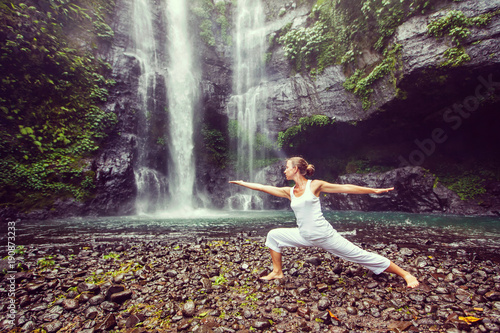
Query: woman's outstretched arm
x=319 y=186
x=282 y=192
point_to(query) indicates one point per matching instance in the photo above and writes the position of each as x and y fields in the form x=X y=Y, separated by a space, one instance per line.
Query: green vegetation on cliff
x=338 y=31
x=297 y=135
x=456 y=25
x=344 y=32
x=50 y=97
x=354 y=34
x=361 y=83
x=213 y=20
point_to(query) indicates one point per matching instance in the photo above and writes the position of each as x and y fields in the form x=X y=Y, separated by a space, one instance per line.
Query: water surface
x=436 y=232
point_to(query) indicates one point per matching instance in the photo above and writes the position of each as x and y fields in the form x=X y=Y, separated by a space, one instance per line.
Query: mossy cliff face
x=54 y=86
x=366 y=75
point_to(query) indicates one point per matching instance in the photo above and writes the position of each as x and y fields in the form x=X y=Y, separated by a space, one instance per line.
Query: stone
x=70 y=304
x=492 y=295
x=399 y=326
x=183 y=324
x=171 y=273
x=113 y=290
x=118 y=278
x=53 y=326
x=406 y=252
x=108 y=323
x=315 y=261
x=291 y=307
x=303 y=311
x=88 y=287
x=109 y=306
x=189 y=308
x=132 y=321
x=261 y=324
x=324 y=304
x=91 y=312
x=430 y=308
x=351 y=310
x=121 y=297
x=29 y=326
x=96 y=300
x=247 y=314
x=322 y=287
x=33 y=288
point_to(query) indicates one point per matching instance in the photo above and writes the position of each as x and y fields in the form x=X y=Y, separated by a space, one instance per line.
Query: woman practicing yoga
x=313 y=229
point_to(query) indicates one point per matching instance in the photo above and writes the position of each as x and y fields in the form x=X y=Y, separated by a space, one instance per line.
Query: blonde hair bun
x=310 y=170
x=305 y=168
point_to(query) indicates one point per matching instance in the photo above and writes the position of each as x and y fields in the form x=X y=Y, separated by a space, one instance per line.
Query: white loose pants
x=335 y=244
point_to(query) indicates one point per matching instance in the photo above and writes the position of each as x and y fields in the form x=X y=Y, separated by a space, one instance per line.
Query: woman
x=313 y=229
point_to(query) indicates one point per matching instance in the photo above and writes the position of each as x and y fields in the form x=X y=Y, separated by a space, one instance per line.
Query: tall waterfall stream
x=247 y=107
x=182 y=88
x=167 y=74
x=151 y=182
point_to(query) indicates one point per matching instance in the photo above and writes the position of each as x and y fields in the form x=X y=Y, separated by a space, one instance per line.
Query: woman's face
x=290 y=170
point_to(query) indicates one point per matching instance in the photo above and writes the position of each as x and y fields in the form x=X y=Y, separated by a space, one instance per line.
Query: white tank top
x=307 y=209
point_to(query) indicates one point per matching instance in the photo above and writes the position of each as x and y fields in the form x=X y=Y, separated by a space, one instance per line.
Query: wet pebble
x=97 y=299
x=70 y=304
x=324 y=304
x=108 y=323
x=189 y=308
x=91 y=312
x=196 y=287
x=121 y=297
x=261 y=324
x=351 y=310
x=53 y=326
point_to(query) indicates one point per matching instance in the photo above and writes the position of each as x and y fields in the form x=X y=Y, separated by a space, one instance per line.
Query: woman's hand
x=237 y=182
x=383 y=190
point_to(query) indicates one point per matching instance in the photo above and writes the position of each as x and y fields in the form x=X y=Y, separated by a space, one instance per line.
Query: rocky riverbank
x=212 y=285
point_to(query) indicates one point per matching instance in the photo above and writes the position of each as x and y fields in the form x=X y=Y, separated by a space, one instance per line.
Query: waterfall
x=150 y=178
x=182 y=94
x=167 y=94
x=247 y=105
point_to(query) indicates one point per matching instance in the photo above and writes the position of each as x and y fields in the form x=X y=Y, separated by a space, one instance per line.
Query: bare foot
x=411 y=281
x=273 y=276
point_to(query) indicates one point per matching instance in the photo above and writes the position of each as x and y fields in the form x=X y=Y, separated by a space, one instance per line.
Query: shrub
x=296 y=134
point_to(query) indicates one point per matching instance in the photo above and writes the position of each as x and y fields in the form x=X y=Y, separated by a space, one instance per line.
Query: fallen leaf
x=469 y=320
x=333 y=316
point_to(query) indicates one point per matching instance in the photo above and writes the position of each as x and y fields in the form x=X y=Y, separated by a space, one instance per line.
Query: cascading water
x=150 y=179
x=182 y=94
x=246 y=107
x=167 y=92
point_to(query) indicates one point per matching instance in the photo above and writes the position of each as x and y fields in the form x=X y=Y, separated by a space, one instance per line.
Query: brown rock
x=132 y=321
x=108 y=323
x=121 y=297
x=303 y=311
x=70 y=304
x=399 y=326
